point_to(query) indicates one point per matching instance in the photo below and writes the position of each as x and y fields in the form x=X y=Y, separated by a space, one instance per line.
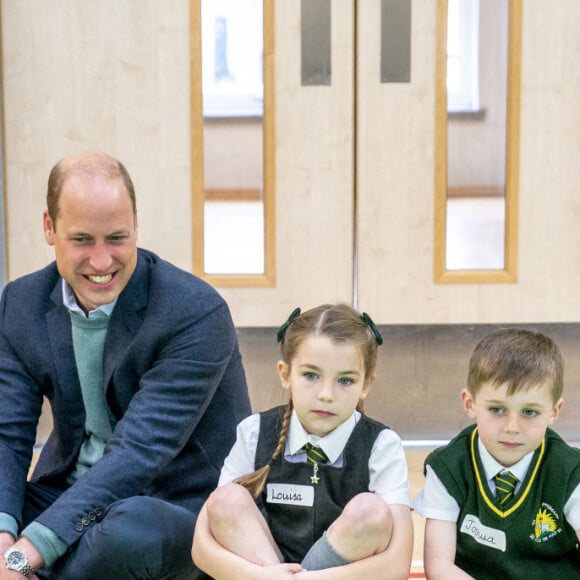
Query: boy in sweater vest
x=502 y=499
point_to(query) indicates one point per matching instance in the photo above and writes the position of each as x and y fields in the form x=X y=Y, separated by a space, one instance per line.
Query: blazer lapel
x=60 y=339
x=126 y=320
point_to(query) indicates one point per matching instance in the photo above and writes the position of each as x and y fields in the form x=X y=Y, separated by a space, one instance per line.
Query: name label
x=290 y=494
x=484 y=535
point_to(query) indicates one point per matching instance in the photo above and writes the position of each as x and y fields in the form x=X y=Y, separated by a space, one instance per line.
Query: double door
x=355 y=179
x=354 y=172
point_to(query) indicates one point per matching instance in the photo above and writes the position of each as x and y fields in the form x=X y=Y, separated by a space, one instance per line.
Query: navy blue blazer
x=175 y=389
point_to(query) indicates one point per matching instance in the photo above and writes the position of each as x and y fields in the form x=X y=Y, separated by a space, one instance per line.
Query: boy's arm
x=439 y=552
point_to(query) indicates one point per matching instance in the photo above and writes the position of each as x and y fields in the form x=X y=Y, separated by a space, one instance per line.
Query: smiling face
x=94 y=237
x=511 y=426
x=327 y=380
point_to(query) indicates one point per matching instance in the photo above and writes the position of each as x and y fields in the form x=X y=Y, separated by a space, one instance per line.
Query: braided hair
x=340 y=323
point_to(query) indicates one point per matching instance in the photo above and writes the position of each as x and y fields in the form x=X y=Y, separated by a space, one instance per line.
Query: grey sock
x=322 y=555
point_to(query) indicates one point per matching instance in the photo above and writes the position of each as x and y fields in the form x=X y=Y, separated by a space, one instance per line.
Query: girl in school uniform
x=313 y=489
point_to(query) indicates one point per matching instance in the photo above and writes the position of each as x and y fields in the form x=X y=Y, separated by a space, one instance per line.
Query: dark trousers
x=138 y=538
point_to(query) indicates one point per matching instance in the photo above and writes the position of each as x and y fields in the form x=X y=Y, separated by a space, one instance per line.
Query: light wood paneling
x=396 y=164
x=104 y=75
x=115 y=76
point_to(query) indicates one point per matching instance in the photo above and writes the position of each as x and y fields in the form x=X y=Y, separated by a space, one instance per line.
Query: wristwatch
x=16 y=560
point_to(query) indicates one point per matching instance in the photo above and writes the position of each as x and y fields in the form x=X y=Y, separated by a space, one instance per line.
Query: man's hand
x=6 y=540
x=33 y=555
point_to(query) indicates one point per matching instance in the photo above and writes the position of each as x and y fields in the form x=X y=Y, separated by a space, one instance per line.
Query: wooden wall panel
x=105 y=75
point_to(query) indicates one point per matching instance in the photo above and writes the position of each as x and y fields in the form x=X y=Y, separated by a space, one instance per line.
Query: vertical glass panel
x=477 y=64
x=475 y=233
x=233 y=113
x=463 y=55
x=477 y=140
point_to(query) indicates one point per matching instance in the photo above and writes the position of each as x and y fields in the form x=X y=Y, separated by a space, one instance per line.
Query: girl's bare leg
x=237 y=524
x=364 y=528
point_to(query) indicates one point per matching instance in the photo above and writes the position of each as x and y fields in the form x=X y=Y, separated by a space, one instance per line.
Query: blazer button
x=92 y=516
x=99 y=512
x=79 y=527
x=85 y=521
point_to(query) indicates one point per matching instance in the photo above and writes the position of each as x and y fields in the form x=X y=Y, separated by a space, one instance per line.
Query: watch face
x=15 y=559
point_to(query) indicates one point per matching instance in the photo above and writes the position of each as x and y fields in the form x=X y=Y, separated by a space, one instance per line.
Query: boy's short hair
x=520 y=358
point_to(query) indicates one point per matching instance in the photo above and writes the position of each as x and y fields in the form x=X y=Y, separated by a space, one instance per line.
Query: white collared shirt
x=491 y=467
x=332 y=444
x=388 y=475
x=435 y=502
x=70 y=301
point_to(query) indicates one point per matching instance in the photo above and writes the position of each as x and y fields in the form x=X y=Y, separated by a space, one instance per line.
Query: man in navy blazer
x=140 y=363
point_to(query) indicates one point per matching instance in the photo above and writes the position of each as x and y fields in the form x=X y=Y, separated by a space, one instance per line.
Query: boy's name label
x=484 y=535
x=290 y=494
